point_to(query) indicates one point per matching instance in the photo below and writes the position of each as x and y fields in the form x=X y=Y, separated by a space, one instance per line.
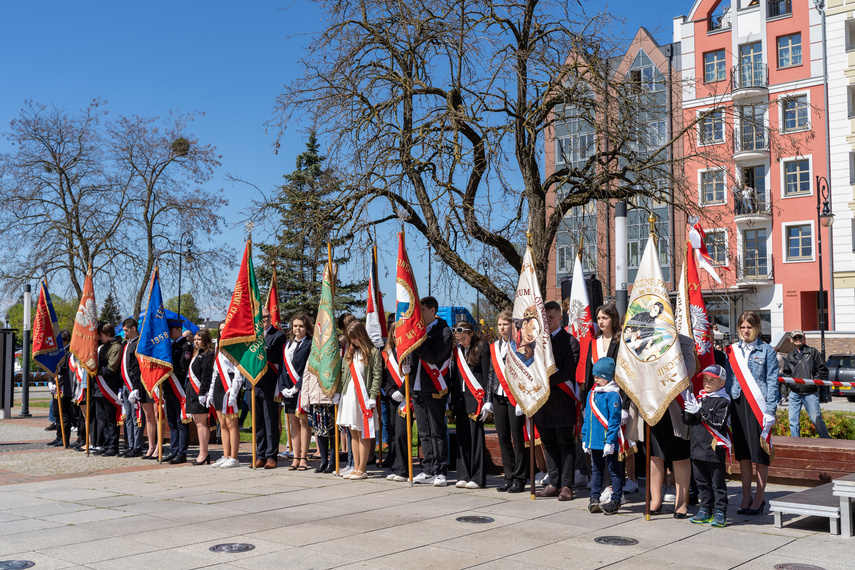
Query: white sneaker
x=219 y=461
x=439 y=481
x=423 y=478
x=580 y=479
x=397 y=478
x=538 y=479
x=630 y=487
x=472 y=485
x=346 y=471
x=230 y=463
x=286 y=455
x=606 y=495
x=390 y=477
x=461 y=485
x=669 y=494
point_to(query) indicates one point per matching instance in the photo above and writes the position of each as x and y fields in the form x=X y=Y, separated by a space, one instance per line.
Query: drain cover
x=475 y=520
x=615 y=540
x=797 y=566
x=16 y=564
x=232 y=547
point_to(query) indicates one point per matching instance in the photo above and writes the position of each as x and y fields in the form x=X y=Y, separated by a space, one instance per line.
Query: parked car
x=841 y=367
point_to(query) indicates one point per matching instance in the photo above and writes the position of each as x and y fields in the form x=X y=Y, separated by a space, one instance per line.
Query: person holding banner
x=199 y=373
x=509 y=417
x=226 y=382
x=63 y=383
x=291 y=380
x=174 y=398
x=132 y=390
x=471 y=403
x=107 y=389
x=393 y=385
x=752 y=382
x=360 y=384
x=267 y=416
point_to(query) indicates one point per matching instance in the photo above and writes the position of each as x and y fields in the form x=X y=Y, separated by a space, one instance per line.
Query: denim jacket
x=763 y=364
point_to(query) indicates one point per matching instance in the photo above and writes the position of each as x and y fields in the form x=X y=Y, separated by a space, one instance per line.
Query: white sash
x=182 y=397
x=469 y=381
x=753 y=394
x=126 y=377
x=362 y=399
x=393 y=368
x=289 y=366
x=437 y=376
x=194 y=380
x=114 y=398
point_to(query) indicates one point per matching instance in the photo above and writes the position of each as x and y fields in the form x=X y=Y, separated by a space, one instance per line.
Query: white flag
x=651 y=367
x=530 y=364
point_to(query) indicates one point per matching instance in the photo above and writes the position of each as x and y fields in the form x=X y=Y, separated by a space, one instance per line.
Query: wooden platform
x=809 y=461
x=817 y=501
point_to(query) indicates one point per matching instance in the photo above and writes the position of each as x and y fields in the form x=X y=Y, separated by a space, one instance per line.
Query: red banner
x=84 y=336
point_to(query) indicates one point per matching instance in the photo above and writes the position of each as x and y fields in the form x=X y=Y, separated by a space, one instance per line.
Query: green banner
x=325 y=358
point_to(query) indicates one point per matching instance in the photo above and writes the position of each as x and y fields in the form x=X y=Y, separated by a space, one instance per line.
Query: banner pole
x=531 y=458
x=288 y=431
x=59 y=407
x=88 y=407
x=647 y=472
x=160 y=428
x=380 y=439
x=337 y=442
x=253 y=428
x=409 y=427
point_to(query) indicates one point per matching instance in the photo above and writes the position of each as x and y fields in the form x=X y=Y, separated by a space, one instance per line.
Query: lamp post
x=825 y=218
x=186 y=241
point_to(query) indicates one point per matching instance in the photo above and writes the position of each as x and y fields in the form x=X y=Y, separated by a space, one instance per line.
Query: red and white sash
x=469 y=381
x=571 y=388
x=393 y=368
x=751 y=391
x=499 y=369
x=624 y=445
x=295 y=378
x=719 y=438
x=80 y=377
x=196 y=383
x=126 y=378
x=223 y=365
x=112 y=397
x=178 y=390
x=437 y=376
x=367 y=423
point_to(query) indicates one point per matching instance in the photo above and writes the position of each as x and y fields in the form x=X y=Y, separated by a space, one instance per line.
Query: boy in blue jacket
x=600 y=434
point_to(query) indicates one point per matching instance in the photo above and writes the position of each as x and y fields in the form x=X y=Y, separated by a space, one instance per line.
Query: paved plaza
x=61 y=509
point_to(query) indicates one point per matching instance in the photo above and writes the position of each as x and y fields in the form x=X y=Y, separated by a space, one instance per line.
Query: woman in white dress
x=362 y=374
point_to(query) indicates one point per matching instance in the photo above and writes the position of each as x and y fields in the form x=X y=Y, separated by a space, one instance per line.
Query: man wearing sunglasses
x=805 y=362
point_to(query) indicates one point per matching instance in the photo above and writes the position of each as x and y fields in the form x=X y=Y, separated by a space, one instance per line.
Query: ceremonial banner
x=242 y=340
x=48 y=350
x=697 y=238
x=325 y=357
x=580 y=318
x=651 y=368
x=530 y=363
x=692 y=319
x=84 y=336
x=375 y=316
x=410 y=328
x=272 y=304
x=154 y=349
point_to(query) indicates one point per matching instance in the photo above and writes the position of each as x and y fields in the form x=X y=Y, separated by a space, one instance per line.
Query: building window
x=850 y=34
x=755 y=263
x=797 y=177
x=575 y=140
x=795 y=113
x=712 y=187
x=565 y=259
x=579 y=222
x=799 y=242
x=712 y=128
x=777 y=8
x=716 y=242
x=790 y=50
x=638 y=231
x=714 y=66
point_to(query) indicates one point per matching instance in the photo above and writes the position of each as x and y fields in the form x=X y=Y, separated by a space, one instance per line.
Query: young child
x=708 y=419
x=600 y=434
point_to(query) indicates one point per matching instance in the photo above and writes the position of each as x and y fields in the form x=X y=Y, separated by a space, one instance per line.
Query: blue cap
x=715 y=370
x=604 y=368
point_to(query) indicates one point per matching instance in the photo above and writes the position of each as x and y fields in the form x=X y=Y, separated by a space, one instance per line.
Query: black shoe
x=96 y=452
x=177 y=460
x=51 y=427
x=504 y=488
x=122 y=453
x=330 y=468
x=54 y=442
x=110 y=453
x=516 y=487
x=170 y=457
x=612 y=507
x=58 y=443
x=207 y=460
x=755 y=512
x=321 y=468
x=594 y=505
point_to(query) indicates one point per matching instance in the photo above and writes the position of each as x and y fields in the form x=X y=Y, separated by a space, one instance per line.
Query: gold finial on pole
x=528 y=238
x=651 y=219
x=581 y=243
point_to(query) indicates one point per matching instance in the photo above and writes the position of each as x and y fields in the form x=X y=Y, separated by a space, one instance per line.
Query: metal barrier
x=7 y=372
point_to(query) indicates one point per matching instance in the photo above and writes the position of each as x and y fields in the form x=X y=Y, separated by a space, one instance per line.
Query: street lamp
x=186 y=241
x=825 y=218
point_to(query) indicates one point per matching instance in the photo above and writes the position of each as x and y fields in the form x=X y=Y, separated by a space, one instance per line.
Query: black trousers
x=81 y=422
x=509 y=428
x=387 y=417
x=433 y=432
x=179 y=432
x=398 y=443
x=470 y=451
x=266 y=427
x=559 y=450
x=65 y=410
x=106 y=412
x=712 y=487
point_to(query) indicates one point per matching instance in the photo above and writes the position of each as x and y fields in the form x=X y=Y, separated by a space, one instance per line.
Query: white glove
x=692 y=406
x=397 y=396
x=407 y=366
x=134 y=397
x=290 y=392
x=233 y=398
x=624 y=416
x=335 y=399
x=372 y=404
x=768 y=420
x=486 y=410
x=585 y=449
x=608 y=449
x=203 y=401
x=519 y=411
x=52 y=387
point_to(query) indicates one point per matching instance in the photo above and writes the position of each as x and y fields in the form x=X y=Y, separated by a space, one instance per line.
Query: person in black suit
x=556 y=419
x=267 y=414
x=109 y=362
x=429 y=402
x=179 y=431
x=63 y=383
x=294 y=361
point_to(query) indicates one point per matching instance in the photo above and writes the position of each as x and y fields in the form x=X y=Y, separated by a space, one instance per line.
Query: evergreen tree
x=110 y=311
x=189 y=309
x=299 y=251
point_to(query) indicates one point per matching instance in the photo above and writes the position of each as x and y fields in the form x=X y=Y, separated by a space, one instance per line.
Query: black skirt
x=219 y=392
x=192 y=404
x=746 y=434
x=664 y=444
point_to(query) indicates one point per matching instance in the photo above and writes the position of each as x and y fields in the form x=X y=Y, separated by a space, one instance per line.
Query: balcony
x=754 y=270
x=751 y=208
x=778 y=8
x=750 y=143
x=749 y=81
x=720 y=21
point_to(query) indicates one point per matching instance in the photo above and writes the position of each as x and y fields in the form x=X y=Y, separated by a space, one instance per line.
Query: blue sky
x=226 y=59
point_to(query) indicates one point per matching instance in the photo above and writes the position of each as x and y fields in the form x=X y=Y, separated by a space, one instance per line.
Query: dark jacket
x=805 y=363
x=182 y=354
x=436 y=349
x=389 y=385
x=109 y=365
x=133 y=365
x=203 y=369
x=462 y=401
x=299 y=360
x=491 y=380
x=560 y=409
x=274 y=342
x=63 y=379
x=715 y=412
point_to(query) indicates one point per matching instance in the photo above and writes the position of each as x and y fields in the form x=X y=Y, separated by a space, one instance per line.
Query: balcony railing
x=751 y=139
x=777 y=8
x=754 y=267
x=720 y=21
x=750 y=75
x=751 y=204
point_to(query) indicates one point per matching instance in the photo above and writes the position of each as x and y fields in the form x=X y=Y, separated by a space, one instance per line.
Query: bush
x=840 y=425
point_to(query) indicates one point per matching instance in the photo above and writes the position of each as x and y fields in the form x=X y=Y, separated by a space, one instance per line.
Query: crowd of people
x=583 y=436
